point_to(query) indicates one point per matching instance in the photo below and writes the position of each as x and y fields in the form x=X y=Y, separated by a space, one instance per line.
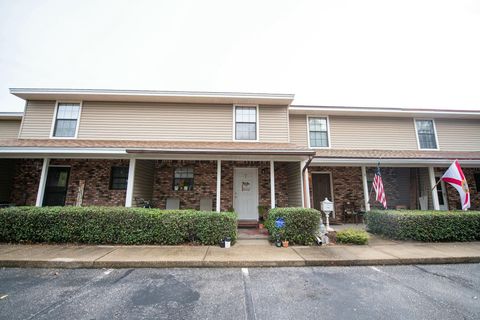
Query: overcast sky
x=349 y=53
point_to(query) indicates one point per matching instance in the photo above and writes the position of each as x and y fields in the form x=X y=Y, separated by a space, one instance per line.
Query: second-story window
x=318 y=132
x=426 y=134
x=66 y=120
x=245 y=123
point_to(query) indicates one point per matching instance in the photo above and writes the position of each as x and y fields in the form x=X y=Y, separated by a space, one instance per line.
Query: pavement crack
x=94 y=261
x=249 y=306
x=452 y=279
x=126 y=274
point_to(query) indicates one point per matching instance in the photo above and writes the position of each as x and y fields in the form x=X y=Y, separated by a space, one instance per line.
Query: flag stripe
x=379 y=190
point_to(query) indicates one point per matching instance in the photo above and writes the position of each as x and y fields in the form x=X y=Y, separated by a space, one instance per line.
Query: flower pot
x=185 y=188
x=285 y=243
x=222 y=243
x=176 y=188
x=260 y=226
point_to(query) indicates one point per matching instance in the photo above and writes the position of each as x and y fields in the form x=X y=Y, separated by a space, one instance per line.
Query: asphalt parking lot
x=393 y=292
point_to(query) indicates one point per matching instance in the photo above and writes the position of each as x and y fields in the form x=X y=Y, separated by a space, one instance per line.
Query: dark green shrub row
x=430 y=226
x=301 y=224
x=115 y=225
x=353 y=236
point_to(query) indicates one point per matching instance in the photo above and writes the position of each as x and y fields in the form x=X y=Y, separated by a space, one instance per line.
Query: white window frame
x=257 y=127
x=52 y=129
x=328 y=131
x=434 y=129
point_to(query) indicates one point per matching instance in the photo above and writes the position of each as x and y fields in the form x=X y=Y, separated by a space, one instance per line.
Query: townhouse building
x=228 y=151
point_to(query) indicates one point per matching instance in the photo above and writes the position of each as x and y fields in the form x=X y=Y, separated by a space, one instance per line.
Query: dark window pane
x=318 y=132
x=246 y=131
x=246 y=123
x=119 y=178
x=426 y=134
x=65 y=128
x=183 y=179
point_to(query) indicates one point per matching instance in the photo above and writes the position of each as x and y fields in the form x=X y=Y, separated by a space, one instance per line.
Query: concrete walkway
x=246 y=253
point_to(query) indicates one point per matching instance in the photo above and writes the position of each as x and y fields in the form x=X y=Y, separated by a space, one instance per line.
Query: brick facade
x=205 y=183
x=25 y=182
x=96 y=174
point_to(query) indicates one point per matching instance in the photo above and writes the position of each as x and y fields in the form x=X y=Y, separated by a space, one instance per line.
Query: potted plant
x=260 y=225
x=176 y=187
x=263 y=213
x=185 y=187
x=285 y=243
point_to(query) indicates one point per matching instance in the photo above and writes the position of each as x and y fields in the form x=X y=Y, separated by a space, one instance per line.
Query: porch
x=350 y=188
x=210 y=185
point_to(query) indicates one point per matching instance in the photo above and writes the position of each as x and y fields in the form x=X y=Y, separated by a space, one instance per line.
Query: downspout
x=306 y=195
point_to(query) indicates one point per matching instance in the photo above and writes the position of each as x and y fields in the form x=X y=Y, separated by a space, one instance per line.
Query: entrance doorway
x=245 y=193
x=442 y=195
x=56 y=186
x=322 y=188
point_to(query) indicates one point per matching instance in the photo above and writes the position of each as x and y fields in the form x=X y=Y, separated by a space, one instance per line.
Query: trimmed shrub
x=353 y=236
x=115 y=225
x=429 y=226
x=301 y=224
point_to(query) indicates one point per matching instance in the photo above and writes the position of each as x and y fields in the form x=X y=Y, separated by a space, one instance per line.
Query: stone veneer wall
x=452 y=194
x=96 y=173
x=25 y=181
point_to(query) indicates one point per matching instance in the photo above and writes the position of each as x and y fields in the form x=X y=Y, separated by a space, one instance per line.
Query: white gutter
x=387 y=162
x=30 y=150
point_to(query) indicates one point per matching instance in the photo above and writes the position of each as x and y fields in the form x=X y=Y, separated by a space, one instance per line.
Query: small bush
x=353 y=236
x=428 y=226
x=115 y=225
x=301 y=224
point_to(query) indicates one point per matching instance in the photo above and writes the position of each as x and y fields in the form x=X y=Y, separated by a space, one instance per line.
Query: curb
x=230 y=264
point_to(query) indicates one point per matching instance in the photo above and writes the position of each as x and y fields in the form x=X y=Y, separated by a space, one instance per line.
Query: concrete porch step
x=252 y=234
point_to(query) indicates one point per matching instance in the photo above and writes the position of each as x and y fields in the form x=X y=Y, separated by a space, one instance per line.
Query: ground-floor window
x=183 y=179
x=119 y=178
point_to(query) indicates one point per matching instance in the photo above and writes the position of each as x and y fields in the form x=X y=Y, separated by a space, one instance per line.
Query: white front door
x=245 y=193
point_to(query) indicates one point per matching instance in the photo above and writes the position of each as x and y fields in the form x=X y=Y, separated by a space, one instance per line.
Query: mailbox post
x=327 y=207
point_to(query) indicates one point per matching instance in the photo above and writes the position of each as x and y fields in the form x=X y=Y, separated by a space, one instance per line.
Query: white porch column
x=307 y=189
x=366 y=193
x=302 y=183
x=219 y=185
x=431 y=175
x=43 y=181
x=272 y=184
x=130 y=183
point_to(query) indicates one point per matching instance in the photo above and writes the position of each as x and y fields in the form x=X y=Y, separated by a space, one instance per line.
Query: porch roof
x=395 y=156
x=155 y=147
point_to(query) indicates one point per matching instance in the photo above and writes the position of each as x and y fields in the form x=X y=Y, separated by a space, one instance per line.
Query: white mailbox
x=326 y=206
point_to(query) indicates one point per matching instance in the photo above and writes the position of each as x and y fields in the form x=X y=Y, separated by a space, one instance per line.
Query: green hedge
x=301 y=224
x=353 y=236
x=115 y=225
x=429 y=226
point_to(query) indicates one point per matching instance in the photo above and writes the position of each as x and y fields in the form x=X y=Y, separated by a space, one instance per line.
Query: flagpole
x=436 y=184
x=371 y=189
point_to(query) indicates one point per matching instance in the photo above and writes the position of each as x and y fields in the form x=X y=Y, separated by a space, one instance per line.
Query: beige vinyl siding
x=37 y=120
x=294 y=184
x=298 y=129
x=372 y=133
x=9 y=129
x=273 y=125
x=150 y=121
x=458 y=134
x=143 y=182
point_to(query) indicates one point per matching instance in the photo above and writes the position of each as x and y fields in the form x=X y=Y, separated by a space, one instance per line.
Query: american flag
x=378 y=186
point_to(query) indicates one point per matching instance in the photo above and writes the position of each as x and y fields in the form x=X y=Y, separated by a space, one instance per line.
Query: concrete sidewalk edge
x=230 y=264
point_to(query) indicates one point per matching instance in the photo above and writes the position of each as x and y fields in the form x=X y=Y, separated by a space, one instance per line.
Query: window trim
x=435 y=133
x=328 y=131
x=257 y=126
x=52 y=129
x=110 y=185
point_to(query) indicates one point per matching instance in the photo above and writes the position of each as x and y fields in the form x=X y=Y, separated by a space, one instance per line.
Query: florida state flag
x=454 y=175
